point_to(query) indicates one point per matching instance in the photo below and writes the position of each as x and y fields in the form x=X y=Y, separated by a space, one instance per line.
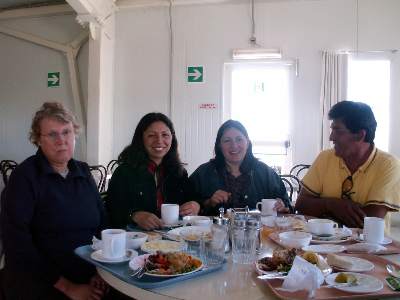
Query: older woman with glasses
x=51 y=206
x=235 y=178
x=150 y=174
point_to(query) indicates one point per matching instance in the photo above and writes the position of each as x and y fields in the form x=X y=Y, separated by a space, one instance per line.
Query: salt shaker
x=225 y=223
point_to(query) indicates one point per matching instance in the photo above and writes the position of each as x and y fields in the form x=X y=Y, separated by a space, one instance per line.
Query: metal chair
x=99 y=173
x=6 y=168
x=295 y=181
x=111 y=166
x=289 y=187
x=298 y=169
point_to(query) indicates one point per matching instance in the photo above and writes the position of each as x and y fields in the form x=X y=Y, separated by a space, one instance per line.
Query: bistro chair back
x=99 y=173
x=289 y=187
x=299 y=170
x=6 y=168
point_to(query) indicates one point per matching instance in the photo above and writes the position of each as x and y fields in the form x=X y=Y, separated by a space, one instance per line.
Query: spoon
x=392 y=271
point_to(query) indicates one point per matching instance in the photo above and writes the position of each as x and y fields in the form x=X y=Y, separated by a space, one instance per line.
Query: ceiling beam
x=41 y=11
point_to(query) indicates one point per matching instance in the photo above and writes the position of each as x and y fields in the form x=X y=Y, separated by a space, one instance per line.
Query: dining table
x=233 y=281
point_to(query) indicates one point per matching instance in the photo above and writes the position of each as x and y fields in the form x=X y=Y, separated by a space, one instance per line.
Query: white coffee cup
x=374 y=230
x=170 y=213
x=321 y=226
x=114 y=243
x=267 y=207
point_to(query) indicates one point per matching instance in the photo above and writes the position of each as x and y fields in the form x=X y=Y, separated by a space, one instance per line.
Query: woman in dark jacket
x=150 y=174
x=235 y=178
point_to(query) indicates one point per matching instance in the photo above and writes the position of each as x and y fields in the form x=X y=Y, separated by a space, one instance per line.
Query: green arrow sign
x=53 y=79
x=195 y=74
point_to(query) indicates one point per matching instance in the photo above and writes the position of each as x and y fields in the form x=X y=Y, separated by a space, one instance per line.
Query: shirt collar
x=46 y=168
x=365 y=165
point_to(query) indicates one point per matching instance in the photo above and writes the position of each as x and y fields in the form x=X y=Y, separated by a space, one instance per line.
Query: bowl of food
x=197 y=221
x=135 y=239
x=295 y=239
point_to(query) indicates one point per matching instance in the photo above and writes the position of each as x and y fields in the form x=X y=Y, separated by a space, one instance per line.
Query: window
x=258 y=95
x=369 y=82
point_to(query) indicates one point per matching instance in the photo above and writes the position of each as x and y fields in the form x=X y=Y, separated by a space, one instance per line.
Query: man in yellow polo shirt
x=355 y=179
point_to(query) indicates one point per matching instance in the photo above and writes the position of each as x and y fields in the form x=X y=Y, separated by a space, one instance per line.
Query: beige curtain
x=333 y=89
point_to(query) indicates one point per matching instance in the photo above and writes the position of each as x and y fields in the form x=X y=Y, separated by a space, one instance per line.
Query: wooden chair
x=6 y=168
x=99 y=173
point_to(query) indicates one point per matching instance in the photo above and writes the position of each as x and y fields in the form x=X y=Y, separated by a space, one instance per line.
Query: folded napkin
x=96 y=243
x=303 y=276
x=345 y=231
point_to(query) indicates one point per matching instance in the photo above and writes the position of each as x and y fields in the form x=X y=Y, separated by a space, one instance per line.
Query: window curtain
x=333 y=89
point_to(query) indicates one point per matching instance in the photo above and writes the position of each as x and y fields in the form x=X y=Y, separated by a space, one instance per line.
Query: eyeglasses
x=53 y=136
x=347 y=185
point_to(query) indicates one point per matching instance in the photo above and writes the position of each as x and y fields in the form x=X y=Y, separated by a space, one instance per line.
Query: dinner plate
x=326 y=270
x=365 y=283
x=189 y=230
x=98 y=256
x=324 y=248
x=339 y=236
x=163 y=246
x=359 y=265
x=139 y=261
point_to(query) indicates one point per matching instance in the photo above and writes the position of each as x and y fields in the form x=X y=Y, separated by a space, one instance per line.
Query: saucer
x=386 y=240
x=98 y=256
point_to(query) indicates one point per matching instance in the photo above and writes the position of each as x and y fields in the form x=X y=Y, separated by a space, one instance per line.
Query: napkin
x=96 y=243
x=303 y=276
x=345 y=231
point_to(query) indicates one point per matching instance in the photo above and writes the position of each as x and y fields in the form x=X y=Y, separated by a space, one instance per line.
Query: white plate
x=162 y=245
x=98 y=256
x=324 y=248
x=359 y=265
x=386 y=240
x=196 y=230
x=338 y=237
x=366 y=283
x=139 y=261
x=275 y=274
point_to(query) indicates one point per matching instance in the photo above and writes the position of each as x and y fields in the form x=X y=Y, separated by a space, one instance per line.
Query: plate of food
x=340 y=235
x=192 y=233
x=162 y=245
x=349 y=263
x=354 y=282
x=281 y=262
x=167 y=265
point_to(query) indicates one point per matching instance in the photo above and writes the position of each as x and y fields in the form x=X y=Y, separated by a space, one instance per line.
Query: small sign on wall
x=53 y=79
x=207 y=106
x=195 y=74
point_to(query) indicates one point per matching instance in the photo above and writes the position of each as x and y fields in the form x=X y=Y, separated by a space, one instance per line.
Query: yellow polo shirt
x=377 y=181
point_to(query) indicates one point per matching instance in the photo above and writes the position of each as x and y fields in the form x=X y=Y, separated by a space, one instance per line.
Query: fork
x=136 y=272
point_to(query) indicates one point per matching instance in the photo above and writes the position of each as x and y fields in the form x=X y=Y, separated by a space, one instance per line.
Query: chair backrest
x=289 y=187
x=99 y=173
x=6 y=168
x=295 y=182
x=111 y=166
x=298 y=170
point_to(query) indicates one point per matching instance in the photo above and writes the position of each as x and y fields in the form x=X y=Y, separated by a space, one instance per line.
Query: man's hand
x=348 y=212
x=217 y=198
x=146 y=220
x=78 y=291
x=190 y=208
x=280 y=206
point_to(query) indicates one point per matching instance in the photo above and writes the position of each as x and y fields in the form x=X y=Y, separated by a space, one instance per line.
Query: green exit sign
x=53 y=79
x=195 y=74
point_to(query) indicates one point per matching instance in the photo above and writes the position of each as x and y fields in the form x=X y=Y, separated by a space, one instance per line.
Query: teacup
x=113 y=243
x=170 y=213
x=321 y=226
x=267 y=207
x=374 y=230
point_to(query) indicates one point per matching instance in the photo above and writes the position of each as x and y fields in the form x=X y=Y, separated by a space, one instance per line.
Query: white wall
x=23 y=79
x=206 y=34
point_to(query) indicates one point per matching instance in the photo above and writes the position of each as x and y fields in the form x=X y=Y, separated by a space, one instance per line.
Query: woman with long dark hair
x=235 y=178
x=149 y=174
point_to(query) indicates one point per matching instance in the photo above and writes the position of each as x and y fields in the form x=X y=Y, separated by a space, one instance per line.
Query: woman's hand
x=146 y=220
x=280 y=206
x=98 y=282
x=190 y=208
x=218 y=197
